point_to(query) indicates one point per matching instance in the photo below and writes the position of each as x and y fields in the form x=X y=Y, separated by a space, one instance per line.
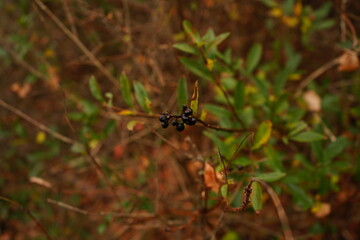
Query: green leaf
x=273 y=159
x=270 y=177
x=300 y=196
x=256 y=196
x=187 y=27
x=231 y=235
x=186 y=48
x=280 y=81
x=308 y=136
x=126 y=90
x=218 y=111
x=253 y=57
x=218 y=142
x=208 y=36
x=298 y=128
x=323 y=11
x=195 y=99
x=239 y=95
x=334 y=149
x=288 y=6
x=95 y=89
x=197 y=68
x=293 y=62
x=182 y=95
x=224 y=190
x=263 y=134
x=261 y=85
x=214 y=43
x=109 y=128
x=189 y=31
x=142 y=96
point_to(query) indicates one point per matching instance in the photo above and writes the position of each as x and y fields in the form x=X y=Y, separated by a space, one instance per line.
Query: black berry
x=185 y=118
x=184 y=108
x=174 y=123
x=180 y=127
x=165 y=124
x=162 y=118
x=191 y=121
x=187 y=112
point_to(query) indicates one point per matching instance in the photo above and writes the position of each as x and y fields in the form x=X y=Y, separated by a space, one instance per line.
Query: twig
x=246 y=200
x=61 y=138
x=237 y=151
x=37 y=124
x=20 y=61
x=218 y=84
x=84 y=212
x=101 y=171
x=316 y=74
x=174 y=229
x=230 y=105
x=28 y=212
x=190 y=156
x=253 y=226
x=342 y=22
x=156 y=116
x=217 y=226
x=69 y=16
x=352 y=29
x=128 y=25
x=76 y=40
x=279 y=209
x=223 y=129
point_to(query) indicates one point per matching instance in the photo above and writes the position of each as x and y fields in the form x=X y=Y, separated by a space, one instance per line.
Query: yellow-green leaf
x=95 y=89
x=256 y=196
x=195 y=99
x=224 y=190
x=142 y=96
x=263 y=134
x=270 y=177
x=190 y=32
x=126 y=90
x=186 y=48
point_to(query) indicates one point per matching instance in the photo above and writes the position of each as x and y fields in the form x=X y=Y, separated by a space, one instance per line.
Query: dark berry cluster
x=178 y=121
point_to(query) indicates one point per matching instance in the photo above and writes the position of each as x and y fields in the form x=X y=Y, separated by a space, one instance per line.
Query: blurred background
x=69 y=167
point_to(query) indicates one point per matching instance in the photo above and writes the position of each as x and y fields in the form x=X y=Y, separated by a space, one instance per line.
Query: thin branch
x=87 y=213
x=230 y=105
x=246 y=200
x=20 y=61
x=352 y=29
x=279 y=209
x=342 y=21
x=37 y=124
x=174 y=229
x=28 y=212
x=69 y=16
x=316 y=74
x=123 y=113
x=101 y=172
x=61 y=138
x=223 y=129
x=76 y=40
x=237 y=150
